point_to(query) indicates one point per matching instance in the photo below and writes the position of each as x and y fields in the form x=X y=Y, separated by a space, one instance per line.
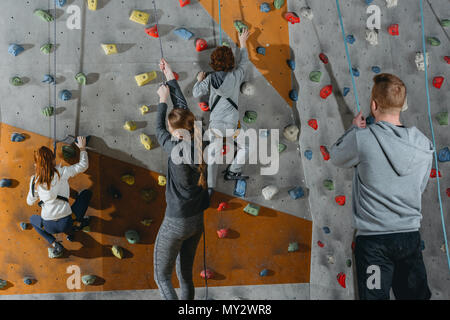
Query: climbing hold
x=250 y=116
x=201 y=44
x=68 y=152
x=222 y=206
x=52 y=254
x=442 y=118
x=248 y=89
x=222 y=233
x=330 y=259
x=114 y=192
x=320 y=244
x=341 y=279
x=183 y=33
x=438 y=81
x=23 y=225
x=326 y=91
x=225 y=149
x=296 y=193
x=435 y=42
x=315 y=76
x=3 y=283
x=323 y=58
x=252 y=209
x=370 y=120
x=48 y=111
x=448 y=192
x=132 y=236
x=28 y=281
x=240 y=188
x=391 y=3
x=46 y=48
x=146 y=141
x=144 y=78
x=376 y=69
x=293 y=95
x=144 y=109
x=16 y=81
x=208 y=274
x=139 y=17
x=162 y=181
x=15 y=49
x=292 y=17
x=265 y=7
x=420 y=62
x=128 y=179
x=184 y=3
x=88 y=279
x=264 y=273
x=308 y=154
x=261 y=50
x=48 y=79
x=350 y=39
x=147 y=222
x=307 y=13
x=346 y=91
x=393 y=30
x=355 y=72
x=313 y=124
x=269 y=192
x=109 y=48
x=372 y=36
x=325 y=153
x=340 y=200
x=348 y=263
x=92 y=5
x=443 y=248
x=278 y=4
x=326 y=230
x=329 y=185
x=433 y=173
x=204 y=106
x=291 y=64
x=65 y=95
x=81 y=78
x=291 y=132
x=293 y=247
x=130 y=126
x=60 y=3
x=281 y=147
x=353 y=246
x=239 y=25
x=86 y=229
x=17 y=137
x=444 y=155
x=152 y=31
x=117 y=251
x=148 y=195
x=445 y=23
x=44 y=15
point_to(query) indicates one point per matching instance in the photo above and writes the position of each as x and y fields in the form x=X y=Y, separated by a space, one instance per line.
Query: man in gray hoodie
x=223 y=87
x=392 y=165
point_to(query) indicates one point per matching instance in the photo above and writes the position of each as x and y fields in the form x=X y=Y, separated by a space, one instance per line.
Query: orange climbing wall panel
x=269 y=30
x=255 y=243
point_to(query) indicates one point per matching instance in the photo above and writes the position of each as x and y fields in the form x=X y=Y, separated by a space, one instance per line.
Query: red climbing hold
x=341 y=279
x=222 y=233
x=326 y=91
x=313 y=124
x=340 y=200
x=152 y=31
x=433 y=173
x=448 y=192
x=292 y=17
x=323 y=58
x=177 y=76
x=438 y=81
x=225 y=149
x=393 y=30
x=447 y=59
x=184 y=3
x=325 y=153
x=353 y=245
x=222 y=206
x=204 y=106
x=209 y=274
x=320 y=244
x=201 y=45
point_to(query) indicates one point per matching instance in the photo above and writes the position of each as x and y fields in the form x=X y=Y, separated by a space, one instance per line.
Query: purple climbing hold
x=17 y=137
x=240 y=188
x=346 y=91
x=15 y=49
x=183 y=33
x=444 y=155
x=296 y=193
x=308 y=154
x=261 y=50
x=351 y=39
x=5 y=183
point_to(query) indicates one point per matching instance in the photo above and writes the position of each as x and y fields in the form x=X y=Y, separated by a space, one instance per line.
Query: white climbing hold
x=306 y=12
x=269 y=192
x=372 y=36
x=248 y=89
x=420 y=63
x=405 y=105
x=330 y=259
x=391 y=3
x=291 y=133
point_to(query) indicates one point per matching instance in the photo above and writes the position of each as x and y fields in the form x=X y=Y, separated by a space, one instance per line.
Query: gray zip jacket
x=226 y=84
x=392 y=166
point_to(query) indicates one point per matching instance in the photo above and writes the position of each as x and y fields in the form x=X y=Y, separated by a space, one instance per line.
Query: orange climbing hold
x=340 y=200
x=313 y=124
x=325 y=153
x=201 y=45
x=326 y=91
x=292 y=17
x=341 y=279
x=152 y=31
x=393 y=30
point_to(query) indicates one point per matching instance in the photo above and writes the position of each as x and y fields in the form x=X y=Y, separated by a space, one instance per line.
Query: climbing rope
x=220 y=25
x=157 y=28
x=350 y=66
x=54 y=78
x=432 y=131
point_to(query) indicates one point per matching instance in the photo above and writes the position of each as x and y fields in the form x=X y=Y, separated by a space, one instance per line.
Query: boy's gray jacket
x=224 y=116
x=392 y=167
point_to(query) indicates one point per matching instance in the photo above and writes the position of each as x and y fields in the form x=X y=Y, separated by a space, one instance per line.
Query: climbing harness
x=40 y=203
x=432 y=130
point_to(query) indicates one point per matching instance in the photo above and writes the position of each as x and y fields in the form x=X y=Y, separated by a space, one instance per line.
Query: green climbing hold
x=226 y=44
x=445 y=23
x=239 y=25
x=442 y=118
x=46 y=48
x=68 y=152
x=281 y=147
x=434 y=41
x=81 y=78
x=315 y=76
x=278 y=4
x=16 y=81
x=132 y=236
x=349 y=263
x=3 y=283
x=48 y=111
x=88 y=280
x=44 y=15
x=86 y=229
x=148 y=195
x=293 y=246
x=117 y=251
x=329 y=185
x=252 y=209
x=250 y=116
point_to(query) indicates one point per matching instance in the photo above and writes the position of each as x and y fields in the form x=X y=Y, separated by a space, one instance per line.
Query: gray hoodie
x=226 y=84
x=392 y=167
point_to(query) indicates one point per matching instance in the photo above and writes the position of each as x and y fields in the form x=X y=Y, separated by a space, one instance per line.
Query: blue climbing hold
x=48 y=79
x=444 y=155
x=261 y=50
x=346 y=91
x=296 y=193
x=265 y=7
x=264 y=133
x=376 y=69
x=65 y=95
x=23 y=225
x=17 y=137
x=5 y=183
x=368 y=2
x=60 y=3
x=183 y=33
x=326 y=230
x=351 y=39
x=15 y=49
x=264 y=273
x=308 y=154
x=370 y=120
x=291 y=64
x=240 y=188
x=293 y=94
x=355 y=72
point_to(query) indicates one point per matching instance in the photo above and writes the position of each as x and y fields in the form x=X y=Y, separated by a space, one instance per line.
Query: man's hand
x=201 y=76
x=359 y=121
x=81 y=143
x=243 y=37
x=163 y=92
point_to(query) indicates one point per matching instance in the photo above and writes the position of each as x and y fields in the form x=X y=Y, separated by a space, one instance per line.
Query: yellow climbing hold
x=139 y=17
x=144 y=78
x=92 y=5
x=117 y=251
x=109 y=48
x=162 y=181
x=128 y=179
x=144 y=109
x=146 y=141
x=130 y=126
x=147 y=222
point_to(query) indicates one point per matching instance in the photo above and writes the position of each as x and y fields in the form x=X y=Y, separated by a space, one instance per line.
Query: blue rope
x=220 y=26
x=432 y=130
x=348 y=56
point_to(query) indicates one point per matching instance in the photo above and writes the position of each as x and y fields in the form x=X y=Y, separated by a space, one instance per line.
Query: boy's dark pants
x=400 y=261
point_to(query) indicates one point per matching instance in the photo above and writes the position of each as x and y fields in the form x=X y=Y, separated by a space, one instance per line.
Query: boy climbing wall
x=392 y=165
x=224 y=87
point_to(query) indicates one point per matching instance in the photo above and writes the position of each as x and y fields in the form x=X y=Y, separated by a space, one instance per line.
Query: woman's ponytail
x=198 y=140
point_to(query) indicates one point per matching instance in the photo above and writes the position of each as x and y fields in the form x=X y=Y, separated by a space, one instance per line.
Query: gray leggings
x=177 y=241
